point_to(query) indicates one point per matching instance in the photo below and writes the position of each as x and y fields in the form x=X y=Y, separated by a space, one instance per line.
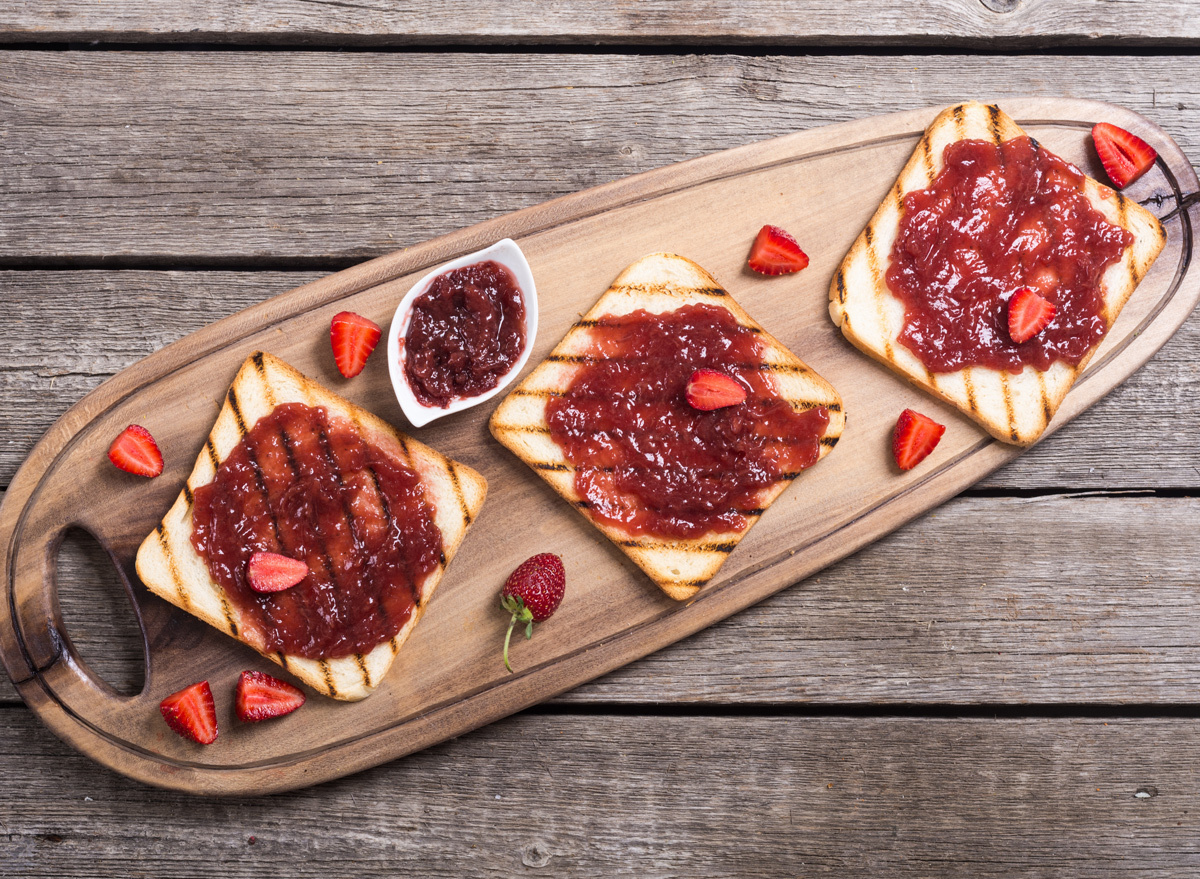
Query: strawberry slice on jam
x=135 y=451
x=1125 y=156
x=1028 y=314
x=261 y=697
x=709 y=389
x=915 y=436
x=272 y=572
x=353 y=338
x=775 y=252
x=192 y=713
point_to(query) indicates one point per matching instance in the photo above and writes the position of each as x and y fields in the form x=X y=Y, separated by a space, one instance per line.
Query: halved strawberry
x=353 y=338
x=1028 y=314
x=708 y=389
x=260 y=697
x=915 y=436
x=272 y=572
x=775 y=252
x=192 y=713
x=1125 y=156
x=135 y=451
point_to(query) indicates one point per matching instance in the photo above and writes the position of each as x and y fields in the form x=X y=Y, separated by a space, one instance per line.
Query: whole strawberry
x=533 y=593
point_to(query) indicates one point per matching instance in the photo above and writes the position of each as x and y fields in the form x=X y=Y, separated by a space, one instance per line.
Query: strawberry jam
x=649 y=463
x=466 y=332
x=308 y=486
x=998 y=218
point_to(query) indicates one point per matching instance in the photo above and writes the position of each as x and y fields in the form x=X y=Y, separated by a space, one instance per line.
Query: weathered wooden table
x=1008 y=686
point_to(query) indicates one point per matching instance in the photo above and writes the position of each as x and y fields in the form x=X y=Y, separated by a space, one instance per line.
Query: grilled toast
x=171 y=568
x=658 y=283
x=1015 y=408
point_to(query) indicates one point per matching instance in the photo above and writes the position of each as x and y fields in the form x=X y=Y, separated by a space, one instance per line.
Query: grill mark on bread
x=188 y=496
x=257 y=359
x=236 y=408
x=282 y=657
x=542 y=393
x=970 y=389
x=927 y=156
x=327 y=676
x=523 y=428
x=958 y=113
x=362 y=667
x=462 y=500
x=724 y=548
x=554 y=466
x=1006 y=392
x=212 y=454
x=994 y=123
x=180 y=589
x=840 y=280
x=1047 y=412
x=669 y=290
x=830 y=441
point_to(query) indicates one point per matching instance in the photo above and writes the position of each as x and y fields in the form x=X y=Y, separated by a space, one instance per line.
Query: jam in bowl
x=462 y=333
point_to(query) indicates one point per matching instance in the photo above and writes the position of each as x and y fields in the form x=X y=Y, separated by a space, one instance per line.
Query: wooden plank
x=1033 y=614
x=66 y=332
x=605 y=795
x=998 y=23
x=170 y=159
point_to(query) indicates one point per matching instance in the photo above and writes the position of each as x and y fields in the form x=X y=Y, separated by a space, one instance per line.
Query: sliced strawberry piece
x=272 y=572
x=1028 y=314
x=192 y=713
x=261 y=697
x=914 y=438
x=1125 y=156
x=135 y=451
x=353 y=338
x=708 y=389
x=775 y=252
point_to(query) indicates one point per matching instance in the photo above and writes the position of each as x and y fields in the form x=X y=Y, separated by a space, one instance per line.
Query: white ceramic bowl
x=507 y=254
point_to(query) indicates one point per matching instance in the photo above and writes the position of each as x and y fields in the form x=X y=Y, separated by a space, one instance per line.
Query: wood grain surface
x=314 y=160
x=277 y=160
x=677 y=23
x=573 y=247
x=600 y=794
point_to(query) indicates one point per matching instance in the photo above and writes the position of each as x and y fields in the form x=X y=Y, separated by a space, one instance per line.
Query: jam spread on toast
x=308 y=486
x=996 y=219
x=466 y=332
x=649 y=463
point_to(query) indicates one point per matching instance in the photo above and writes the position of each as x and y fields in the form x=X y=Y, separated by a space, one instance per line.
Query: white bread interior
x=171 y=568
x=1015 y=408
x=660 y=282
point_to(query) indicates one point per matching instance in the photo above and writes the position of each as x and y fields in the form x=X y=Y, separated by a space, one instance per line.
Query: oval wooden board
x=822 y=185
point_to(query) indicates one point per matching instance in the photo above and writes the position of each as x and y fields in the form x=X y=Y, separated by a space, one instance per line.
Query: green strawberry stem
x=514 y=605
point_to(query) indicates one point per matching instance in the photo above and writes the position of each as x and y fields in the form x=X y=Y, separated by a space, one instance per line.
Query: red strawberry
x=533 y=593
x=135 y=451
x=775 y=252
x=271 y=572
x=353 y=338
x=192 y=713
x=261 y=697
x=914 y=438
x=1125 y=156
x=708 y=389
x=1028 y=314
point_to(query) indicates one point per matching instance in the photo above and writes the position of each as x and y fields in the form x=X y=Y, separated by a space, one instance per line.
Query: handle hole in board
x=98 y=614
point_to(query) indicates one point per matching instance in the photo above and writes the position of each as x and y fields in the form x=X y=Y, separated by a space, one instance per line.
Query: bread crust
x=1013 y=407
x=170 y=566
x=659 y=282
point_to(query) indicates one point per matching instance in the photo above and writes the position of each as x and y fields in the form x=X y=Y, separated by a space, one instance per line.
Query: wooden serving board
x=822 y=185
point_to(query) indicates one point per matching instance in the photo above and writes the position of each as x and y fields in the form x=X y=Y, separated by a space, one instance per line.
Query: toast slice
x=1015 y=408
x=658 y=283
x=170 y=566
